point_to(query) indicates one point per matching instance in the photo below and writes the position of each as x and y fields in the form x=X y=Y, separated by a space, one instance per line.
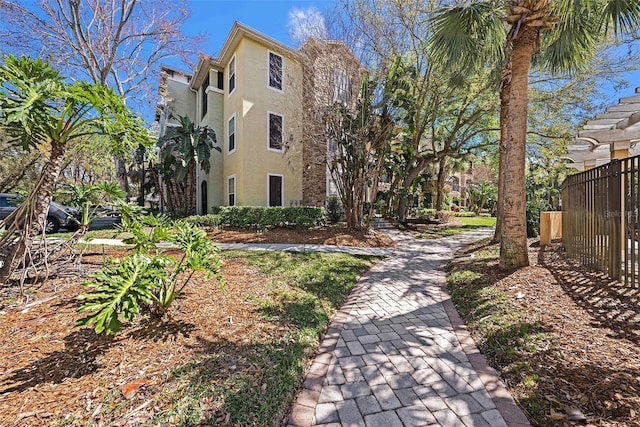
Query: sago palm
x=563 y=33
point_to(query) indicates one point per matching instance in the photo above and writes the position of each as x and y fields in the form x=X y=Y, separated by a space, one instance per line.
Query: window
x=340 y=86
x=232 y=190
x=204 y=95
x=232 y=75
x=275 y=131
x=220 y=80
x=332 y=187
x=11 y=201
x=275 y=190
x=275 y=71
x=232 y=134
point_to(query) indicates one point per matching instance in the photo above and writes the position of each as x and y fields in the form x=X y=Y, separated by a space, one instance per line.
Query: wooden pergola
x=614 y=134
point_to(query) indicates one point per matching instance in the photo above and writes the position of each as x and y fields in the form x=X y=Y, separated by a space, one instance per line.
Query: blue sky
x=214 y=19
x=271 y=17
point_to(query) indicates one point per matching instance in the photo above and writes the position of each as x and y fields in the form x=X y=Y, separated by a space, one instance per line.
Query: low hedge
x=466 y=214
x=424 y=213
x=260 y=217
x=209 y=220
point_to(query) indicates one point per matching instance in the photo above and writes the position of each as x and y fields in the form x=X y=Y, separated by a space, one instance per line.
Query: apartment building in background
x=265 y=101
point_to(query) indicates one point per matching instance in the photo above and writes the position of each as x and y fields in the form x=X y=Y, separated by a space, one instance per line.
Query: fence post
x=618 y=243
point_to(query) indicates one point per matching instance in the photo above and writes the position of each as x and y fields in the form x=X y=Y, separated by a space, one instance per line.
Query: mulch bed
x=590 y=364
x=49 y=369
x=331 y=235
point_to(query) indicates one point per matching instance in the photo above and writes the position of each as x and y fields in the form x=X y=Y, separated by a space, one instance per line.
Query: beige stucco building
x=256 y=96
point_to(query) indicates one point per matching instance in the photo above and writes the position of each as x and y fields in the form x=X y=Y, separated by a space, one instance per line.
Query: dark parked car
x=58 y=217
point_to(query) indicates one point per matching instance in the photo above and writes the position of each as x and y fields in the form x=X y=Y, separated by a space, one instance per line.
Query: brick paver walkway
x=397 y=353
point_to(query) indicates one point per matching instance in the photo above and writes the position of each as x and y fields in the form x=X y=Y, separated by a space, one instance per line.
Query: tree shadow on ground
x=82 y=348
x=611 y=304
x=78 y=358
x=237 y=383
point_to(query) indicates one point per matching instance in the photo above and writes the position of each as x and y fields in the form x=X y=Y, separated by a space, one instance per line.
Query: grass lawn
x=478 y=221
x=563 y=337
x=304 y=291
x=468 y=223
x=498 y=325
x=232 y=356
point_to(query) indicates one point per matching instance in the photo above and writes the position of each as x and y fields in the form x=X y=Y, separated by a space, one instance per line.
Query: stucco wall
x=251 y=102
x=214 y=120
x=180 y=100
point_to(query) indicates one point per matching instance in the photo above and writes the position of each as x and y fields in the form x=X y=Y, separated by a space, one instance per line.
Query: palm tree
x=181 y=149
x=40 y=110
x=564 y=33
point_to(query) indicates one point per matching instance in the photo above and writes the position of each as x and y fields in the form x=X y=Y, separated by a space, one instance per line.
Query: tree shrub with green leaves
x=90 y=200
x=124 y=287
x=40 y=110
x=182 y=148
x=335 y=211
x=261 y=217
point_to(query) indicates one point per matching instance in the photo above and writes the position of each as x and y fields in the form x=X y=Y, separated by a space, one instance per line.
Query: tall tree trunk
x=505 y=89
x=513 y=243
x=442 y=174
x=190 y=190
x=35 y=212
x=406 y=183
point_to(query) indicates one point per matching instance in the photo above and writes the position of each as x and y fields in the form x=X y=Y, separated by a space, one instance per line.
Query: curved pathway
x=398 y=354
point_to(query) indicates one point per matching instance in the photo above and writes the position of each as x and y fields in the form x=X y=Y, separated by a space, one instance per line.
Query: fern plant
x=119 y=291
x=199 y=254
x=141 y=279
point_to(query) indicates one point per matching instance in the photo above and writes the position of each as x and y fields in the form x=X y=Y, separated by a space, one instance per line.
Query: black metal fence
x=600 y=218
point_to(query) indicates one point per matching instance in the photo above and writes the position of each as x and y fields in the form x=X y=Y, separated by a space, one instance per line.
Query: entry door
x=275 y=190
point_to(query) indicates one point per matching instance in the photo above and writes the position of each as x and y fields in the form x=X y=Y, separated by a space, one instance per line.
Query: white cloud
x=305 y=23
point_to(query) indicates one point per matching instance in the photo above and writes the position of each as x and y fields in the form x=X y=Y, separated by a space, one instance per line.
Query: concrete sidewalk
x=285 y=247
x=398 y=354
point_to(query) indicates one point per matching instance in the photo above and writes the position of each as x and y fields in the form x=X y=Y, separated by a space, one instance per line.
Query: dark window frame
x=231 y=196
x=231 y=140
x=279 y=192
x=276 y=71
x=232 y=75
x=204 y=98
x=275 y=132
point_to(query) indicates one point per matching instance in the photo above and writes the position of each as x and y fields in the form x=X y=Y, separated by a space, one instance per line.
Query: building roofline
x=175 y=70
x=237 y=32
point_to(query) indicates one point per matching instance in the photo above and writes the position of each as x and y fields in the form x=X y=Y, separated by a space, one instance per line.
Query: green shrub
x=424 y=213
x=260 y=217
x=304 y=222
x=147 y=230
x=119 y=290
x=209 y=220
x=122 y=287
x=465 y=214
x=334 y=209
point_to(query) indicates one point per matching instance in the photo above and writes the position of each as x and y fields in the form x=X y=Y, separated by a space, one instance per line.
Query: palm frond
x=570 y=44
x=469 y=36
x=622 y=15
